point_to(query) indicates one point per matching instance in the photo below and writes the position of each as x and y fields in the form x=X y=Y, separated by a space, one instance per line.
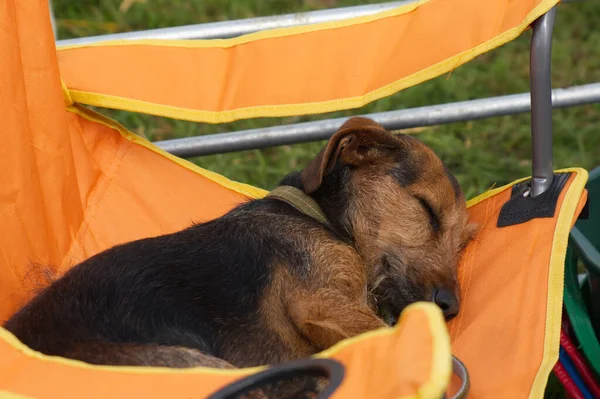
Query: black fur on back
x=199 y=287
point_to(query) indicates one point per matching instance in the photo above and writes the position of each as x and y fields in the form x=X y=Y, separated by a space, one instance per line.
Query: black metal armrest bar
x=393 y=120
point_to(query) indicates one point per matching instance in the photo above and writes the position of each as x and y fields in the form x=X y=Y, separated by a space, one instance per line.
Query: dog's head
x=402 y=208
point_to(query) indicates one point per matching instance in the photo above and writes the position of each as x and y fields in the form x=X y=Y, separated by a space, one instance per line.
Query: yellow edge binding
x=556 y=281
x=439 y=377
x=556 y=272
x=244 y=189
x=127 y=104
x=10 y=395
x=255 y=36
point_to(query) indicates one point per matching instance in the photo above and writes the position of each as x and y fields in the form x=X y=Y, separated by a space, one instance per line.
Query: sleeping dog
x=375 y=222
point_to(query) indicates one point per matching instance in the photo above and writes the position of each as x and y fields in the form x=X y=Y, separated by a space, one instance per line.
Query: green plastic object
x=578 y=313
x=582 y=302
x=585 y=240
x=590 y=227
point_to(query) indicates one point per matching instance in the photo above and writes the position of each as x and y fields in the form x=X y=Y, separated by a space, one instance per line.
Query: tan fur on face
x=396 y=184
x=394 y=244
x=389 y=218
x=332 y=293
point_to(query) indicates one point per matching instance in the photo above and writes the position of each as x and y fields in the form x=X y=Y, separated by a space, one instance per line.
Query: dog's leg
x=326 y=318
x=149 y=355
x=181 y=357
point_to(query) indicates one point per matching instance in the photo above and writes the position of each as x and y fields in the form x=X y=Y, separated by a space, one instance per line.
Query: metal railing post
x=401 y=119
x=541 y=103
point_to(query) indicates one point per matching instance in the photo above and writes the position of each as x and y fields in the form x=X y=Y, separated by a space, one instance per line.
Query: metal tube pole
x=392 y=120
x=53 y=20
x=233 y=28
x=541 y=103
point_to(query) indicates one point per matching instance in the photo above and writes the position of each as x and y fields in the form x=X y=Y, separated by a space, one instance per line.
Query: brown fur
x=399 y=224
x=154 y=355
x=416 y=252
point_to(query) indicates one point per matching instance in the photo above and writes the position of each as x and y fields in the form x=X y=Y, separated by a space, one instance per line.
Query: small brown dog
x=375 y=222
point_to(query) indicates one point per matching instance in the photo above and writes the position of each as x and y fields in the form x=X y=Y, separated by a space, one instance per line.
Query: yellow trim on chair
x=556 y=280
x=439 y=377
x=10 y=395
x=132 y=105
x=556 y=272
x=245 y=189
x=441 y=368
x=13 y=341
x=264 y=34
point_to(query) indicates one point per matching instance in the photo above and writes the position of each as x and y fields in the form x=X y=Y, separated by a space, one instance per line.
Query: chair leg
x=541 y=103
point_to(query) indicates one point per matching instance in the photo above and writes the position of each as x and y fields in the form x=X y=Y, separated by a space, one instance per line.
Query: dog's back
x=199 y=288
x=266 y=282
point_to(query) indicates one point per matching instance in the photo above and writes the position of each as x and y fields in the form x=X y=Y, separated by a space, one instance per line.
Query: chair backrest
x=300 y=70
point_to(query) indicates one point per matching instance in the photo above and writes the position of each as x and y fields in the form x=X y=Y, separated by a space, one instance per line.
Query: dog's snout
x=447 y=301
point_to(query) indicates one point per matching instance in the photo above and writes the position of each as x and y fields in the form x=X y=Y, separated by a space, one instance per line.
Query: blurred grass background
x=482 y=153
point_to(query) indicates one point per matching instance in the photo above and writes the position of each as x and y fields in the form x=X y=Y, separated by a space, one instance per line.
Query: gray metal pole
x=53 y=20
x=402 y=119
x=232 y=28
x=541 y=103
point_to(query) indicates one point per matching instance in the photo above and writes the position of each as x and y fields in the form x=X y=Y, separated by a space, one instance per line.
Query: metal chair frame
x=540 y=101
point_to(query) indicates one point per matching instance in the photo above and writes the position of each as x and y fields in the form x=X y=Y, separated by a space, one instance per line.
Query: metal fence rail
x=415 y=117
x=401 y=119
x=233 y=28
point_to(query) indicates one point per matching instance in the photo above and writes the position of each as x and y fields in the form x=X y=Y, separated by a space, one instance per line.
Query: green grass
x=480 y=153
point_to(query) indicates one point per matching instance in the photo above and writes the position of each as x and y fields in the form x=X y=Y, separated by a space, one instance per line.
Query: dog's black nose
x=447 y=301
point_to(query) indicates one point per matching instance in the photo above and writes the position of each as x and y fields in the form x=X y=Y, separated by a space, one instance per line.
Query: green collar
x=302 y=202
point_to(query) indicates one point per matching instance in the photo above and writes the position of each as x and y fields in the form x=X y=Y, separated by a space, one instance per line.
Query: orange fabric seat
x=411 y=360
x=74 y=183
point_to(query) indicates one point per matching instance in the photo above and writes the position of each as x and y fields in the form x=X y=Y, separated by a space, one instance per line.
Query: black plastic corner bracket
x=522 y=207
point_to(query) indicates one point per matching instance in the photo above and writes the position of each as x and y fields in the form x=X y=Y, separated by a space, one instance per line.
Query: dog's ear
x=358 y=141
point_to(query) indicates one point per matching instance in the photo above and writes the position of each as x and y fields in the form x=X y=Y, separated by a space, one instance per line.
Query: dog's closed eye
x=434 y=220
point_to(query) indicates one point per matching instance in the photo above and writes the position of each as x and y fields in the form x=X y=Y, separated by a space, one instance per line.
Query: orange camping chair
x=75 y=183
